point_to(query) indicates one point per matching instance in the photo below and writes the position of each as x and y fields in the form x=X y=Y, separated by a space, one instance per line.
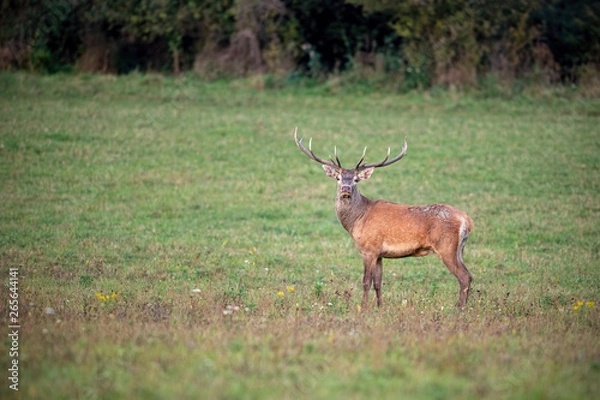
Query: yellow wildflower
x=102 y=297
x=578 y=305
x=590 y=304
x=280 y=294
x=290 y=288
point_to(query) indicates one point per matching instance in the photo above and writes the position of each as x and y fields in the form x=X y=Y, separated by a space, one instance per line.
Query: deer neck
x=349 y=210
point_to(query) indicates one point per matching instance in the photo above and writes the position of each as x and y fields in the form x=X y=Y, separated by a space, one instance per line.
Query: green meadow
x=172 y=242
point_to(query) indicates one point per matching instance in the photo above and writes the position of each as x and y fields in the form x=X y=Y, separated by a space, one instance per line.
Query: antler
x=385 y=162
x=337 y=164
x=311 y=154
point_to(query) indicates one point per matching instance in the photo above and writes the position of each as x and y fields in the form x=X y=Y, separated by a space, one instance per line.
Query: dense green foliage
x=417 y=43
x=172 y=242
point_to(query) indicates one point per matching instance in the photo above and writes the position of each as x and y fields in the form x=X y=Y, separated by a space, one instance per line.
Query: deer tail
x=465 y=228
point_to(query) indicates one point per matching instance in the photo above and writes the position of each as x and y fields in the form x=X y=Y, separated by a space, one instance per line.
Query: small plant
x=107 y=298
x=580 y=304
x=319 y=286
x=85 y=281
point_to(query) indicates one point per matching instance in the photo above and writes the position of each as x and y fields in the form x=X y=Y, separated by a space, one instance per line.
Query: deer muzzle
x=345 y=192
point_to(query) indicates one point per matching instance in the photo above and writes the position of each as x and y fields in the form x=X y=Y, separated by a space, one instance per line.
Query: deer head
x=348 y=178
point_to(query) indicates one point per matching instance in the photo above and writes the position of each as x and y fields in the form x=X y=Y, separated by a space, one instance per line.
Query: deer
x=382 y=229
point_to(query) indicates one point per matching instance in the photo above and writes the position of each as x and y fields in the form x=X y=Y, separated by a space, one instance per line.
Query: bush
x=416 y=45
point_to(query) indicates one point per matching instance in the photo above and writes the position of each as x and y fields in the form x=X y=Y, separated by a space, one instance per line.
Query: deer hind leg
x=453 y=260
x=460 y=271
x=377 y=278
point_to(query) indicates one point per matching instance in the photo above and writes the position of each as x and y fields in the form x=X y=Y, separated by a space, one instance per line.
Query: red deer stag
x=381 y=229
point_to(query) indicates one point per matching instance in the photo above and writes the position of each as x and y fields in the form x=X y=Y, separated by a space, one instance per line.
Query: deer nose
x=346 y=190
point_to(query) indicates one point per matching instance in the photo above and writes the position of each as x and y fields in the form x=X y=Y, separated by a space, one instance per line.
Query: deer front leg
x=370 y=267
x=377 y=278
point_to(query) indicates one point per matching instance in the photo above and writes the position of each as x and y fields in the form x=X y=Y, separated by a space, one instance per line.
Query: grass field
x=172 y=242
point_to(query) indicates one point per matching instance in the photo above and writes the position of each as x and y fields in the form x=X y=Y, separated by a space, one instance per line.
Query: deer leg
x=367 y=279
x=457 y=267
x=377 y=278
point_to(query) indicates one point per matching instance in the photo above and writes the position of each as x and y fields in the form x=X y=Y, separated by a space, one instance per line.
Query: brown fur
x=381 y=229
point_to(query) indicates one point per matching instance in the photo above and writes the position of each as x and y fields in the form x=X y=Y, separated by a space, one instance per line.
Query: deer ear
x=330 y=171
x=365 y=173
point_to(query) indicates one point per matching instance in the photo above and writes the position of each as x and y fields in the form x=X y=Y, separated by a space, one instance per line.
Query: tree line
x=420 y=43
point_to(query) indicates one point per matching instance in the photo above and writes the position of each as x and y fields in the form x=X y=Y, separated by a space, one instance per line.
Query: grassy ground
x=172 y=241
